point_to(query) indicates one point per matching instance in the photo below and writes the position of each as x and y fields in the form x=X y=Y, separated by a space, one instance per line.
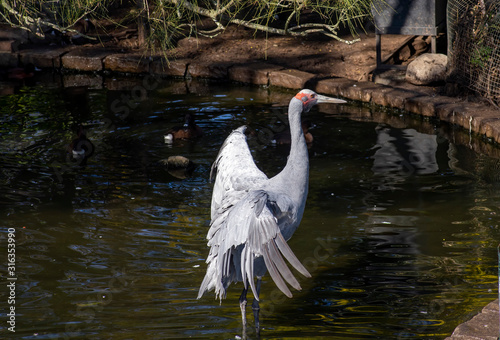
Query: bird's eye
x=313 y=95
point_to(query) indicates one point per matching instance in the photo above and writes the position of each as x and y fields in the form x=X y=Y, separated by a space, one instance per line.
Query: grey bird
x=253 y=216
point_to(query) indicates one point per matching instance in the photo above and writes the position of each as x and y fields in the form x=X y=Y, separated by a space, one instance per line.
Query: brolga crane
x=253 y=216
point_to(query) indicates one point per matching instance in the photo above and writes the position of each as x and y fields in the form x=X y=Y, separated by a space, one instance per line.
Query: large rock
x=482 y=326
x=427 y=68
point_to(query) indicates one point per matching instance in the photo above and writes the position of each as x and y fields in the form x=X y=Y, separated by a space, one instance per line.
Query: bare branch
x=33 y=25
x=168 y=19
x=299 y=30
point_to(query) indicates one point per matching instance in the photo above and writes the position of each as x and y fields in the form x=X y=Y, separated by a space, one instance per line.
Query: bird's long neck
x=295 y=175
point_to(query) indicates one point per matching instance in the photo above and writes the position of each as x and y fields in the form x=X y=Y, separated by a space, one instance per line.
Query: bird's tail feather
x=213 y=281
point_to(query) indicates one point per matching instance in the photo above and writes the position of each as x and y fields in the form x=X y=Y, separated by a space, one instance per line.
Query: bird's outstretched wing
x=242 y=233
x=235 y=170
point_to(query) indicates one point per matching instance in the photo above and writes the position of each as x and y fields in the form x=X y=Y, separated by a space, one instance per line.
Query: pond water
x=399 y=233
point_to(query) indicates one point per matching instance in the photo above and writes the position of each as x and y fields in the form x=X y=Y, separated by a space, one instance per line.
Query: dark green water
x=399 y=234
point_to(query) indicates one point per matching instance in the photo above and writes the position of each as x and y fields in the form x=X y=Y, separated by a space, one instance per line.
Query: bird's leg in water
x=256 y=308
x=243 y=304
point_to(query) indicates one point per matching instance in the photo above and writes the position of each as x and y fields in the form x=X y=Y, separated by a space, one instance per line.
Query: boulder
x=427 y=68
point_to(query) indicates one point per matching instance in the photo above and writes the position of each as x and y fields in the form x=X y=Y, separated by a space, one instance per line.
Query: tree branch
x=297 y=31
x=26 y=21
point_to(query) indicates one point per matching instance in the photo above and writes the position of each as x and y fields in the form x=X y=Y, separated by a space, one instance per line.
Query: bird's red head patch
x=306 y=98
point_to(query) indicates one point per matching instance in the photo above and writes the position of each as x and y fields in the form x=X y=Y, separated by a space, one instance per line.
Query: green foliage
x=485 y=28
x=167 y=20
x=474 y=57
x=480 y=56
x=37 y=16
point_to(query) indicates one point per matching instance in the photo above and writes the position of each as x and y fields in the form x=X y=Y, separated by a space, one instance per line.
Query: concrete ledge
x=8 y=59
x=127 y=63
x=44 y=57
x=446 y=111
x=213 y=71
x=171 y=68
x=482 y=326
x=290 y=78
x=379 y=95
x=477 y=118
x=397 y=98
x=334 y=86
x=86 y=60
x=254 y=73
x=492 y=129
x=427 y=105
x=360 y=91
x=88 y=80
x=10 y=45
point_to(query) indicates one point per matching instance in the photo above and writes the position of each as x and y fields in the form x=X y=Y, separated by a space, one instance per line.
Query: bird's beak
x=325 y=99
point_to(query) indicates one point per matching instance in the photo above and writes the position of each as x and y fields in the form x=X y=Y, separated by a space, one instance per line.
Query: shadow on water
x=399 y=233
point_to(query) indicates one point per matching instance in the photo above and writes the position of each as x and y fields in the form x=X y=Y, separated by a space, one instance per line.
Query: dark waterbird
x=19 y=73
x=253 y=216
x=81 y=148
x=187 y=131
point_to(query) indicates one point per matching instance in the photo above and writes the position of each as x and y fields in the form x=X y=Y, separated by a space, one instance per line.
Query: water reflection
x=400 y=229
x=401 y=153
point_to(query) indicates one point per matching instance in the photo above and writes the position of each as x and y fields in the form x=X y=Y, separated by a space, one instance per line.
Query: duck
x=81 y=148
x=188 y=131
x=285 y=138
x=20 y=73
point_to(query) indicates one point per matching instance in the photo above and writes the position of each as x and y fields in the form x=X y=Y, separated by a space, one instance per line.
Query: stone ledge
x=492 y=129
x=482 y=326
x=334 y=86
x=254 y=73
x=361 y=91
x=290 y=78
x=477 y=118
x=86 y=60
x=394 y=97
x=172 y=68
x=127 y=63
x=8 y=59
x=9 y=45
x=44 y=57
x=205 y=70
x=88 y=80
x=427 y=105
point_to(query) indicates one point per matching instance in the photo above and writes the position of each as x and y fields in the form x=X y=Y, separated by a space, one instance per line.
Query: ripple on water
x=116 y=248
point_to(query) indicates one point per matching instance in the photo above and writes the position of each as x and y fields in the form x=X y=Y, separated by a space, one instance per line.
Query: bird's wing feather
x=250 y=229
x=235 y=168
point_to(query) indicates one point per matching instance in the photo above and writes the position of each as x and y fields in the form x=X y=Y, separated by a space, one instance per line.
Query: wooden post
x=141 y=29
x=378 y=49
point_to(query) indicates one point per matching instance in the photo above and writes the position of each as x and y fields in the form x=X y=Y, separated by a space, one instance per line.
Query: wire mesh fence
x=474 y=45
